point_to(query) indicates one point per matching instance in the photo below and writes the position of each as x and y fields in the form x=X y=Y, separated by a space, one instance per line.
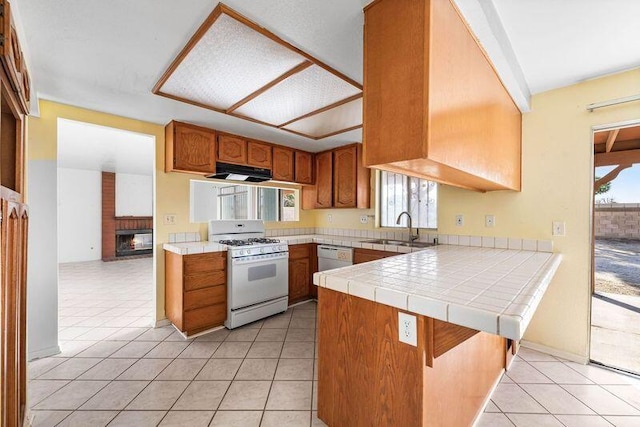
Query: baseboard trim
x=555 y=352
x=43 y=353
x=162 y=322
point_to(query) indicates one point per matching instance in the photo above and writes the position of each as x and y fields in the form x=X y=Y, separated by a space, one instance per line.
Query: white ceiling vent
x=233 y=66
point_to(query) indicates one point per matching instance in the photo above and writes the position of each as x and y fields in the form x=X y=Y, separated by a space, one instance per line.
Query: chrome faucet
x=411 y=236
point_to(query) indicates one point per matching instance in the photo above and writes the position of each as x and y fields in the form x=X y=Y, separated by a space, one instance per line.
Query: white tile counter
x=492 y=290
x=354 y=242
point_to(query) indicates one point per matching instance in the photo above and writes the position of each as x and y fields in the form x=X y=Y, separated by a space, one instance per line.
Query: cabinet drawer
x=205 y=317
x=204 y=297
x=204 y=280
x=201 y=263
x=299 y=251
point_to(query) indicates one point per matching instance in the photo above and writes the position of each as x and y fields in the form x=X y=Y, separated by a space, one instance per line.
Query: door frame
x=592 y=236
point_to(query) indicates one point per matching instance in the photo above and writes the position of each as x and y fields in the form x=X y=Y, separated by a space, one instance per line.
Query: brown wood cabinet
x=189 y=148
x=13 y=250
x=341 y=180
x=365 y=255
x=14 y=223
x=283 y=164
x=434 y=106
x=302 y=265
x=196 y=290
x=259 y=155
x=304 y=168
x=324 y=180
x=232 y=149
x=12 y=58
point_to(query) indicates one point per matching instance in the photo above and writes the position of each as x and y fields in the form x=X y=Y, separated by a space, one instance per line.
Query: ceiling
x=107 y=56
x=99 y=148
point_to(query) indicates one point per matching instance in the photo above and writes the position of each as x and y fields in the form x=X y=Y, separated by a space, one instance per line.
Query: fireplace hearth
x=134 y=242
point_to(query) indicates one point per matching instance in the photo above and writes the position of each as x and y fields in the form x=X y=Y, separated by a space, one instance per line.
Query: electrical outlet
x=407 y=329
x=489 y=221
x=169 y=219
x=329 y=217
x=459 y=220
x=364 y=219
x=559 y=228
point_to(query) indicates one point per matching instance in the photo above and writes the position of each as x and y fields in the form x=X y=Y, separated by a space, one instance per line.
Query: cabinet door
x=259 y=155
x=324 y=178
x=232 y=149
x=13 y=323
x=345 y=177
x=365 y=255
x=282 y=164
x=194 y=149
x=304 y=167
x=299 y=273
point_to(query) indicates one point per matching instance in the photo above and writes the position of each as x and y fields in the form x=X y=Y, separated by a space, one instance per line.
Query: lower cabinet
x=302 y=265
x=196 y=290
x=366 y=255
x=13 y=306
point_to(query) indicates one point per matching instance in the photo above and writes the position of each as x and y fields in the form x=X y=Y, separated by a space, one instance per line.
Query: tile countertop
x=492 y=290
x=355 y=242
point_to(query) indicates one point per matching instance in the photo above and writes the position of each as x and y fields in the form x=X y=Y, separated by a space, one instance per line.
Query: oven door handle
x=254 y=259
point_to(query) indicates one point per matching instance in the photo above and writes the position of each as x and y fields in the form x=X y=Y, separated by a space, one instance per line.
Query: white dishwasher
x=330 y=257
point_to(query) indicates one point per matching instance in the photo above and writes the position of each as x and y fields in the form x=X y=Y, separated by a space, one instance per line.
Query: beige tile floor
x=263 y=374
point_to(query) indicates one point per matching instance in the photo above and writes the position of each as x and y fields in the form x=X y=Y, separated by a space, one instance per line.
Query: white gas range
x=257 y=270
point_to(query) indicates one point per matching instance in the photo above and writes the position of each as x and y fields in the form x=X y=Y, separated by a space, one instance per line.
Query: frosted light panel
x=228 y=63
x=302 y=93
x=336 y=119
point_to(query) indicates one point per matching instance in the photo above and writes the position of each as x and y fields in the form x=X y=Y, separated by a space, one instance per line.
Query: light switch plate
x=407 y=329
x=329 y=217
x=489 y=221
x=169 y=219
x=559 y=228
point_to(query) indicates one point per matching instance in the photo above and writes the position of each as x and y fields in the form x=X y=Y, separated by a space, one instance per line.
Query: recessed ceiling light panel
x=234 y=66
x=228 y=63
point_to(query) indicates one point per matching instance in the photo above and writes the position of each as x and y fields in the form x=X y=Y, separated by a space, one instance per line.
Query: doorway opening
x=106 y=284
x=615 y=304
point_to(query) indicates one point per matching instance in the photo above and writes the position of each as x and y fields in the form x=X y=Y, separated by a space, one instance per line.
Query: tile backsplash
x=184 y=237
x=444 y=239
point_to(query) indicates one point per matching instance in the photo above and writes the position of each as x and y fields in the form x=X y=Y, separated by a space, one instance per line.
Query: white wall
x=134 y=195
x=79 y=215
x=42 y=267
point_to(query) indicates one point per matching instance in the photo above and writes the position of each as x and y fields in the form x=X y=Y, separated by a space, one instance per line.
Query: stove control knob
x=281 y=248
x=261 y=250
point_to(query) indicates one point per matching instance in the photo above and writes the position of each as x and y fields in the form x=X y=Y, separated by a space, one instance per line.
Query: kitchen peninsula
x=471 y=307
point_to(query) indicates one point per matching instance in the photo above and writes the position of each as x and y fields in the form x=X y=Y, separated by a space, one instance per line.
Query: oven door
x=257 y=279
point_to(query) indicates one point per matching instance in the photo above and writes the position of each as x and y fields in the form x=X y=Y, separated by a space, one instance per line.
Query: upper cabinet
x=432 y=95
x=13 y=59
x=259 y=154
x=341 y=180
x=189 y=148
x=232 y=149
x=304 y=167
x=283 y=168
x=196 y=149
x=324 y=180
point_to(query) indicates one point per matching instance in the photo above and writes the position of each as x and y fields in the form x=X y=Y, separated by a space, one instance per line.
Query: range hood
x=240 y=173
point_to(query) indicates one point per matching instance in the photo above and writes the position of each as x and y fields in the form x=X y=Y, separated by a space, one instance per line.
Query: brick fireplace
x=123 y=236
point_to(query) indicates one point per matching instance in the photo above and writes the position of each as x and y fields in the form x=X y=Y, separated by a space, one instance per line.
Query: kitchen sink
x=399 y=243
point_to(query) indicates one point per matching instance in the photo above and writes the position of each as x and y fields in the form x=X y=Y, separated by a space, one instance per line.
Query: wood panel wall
x=108 y=216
